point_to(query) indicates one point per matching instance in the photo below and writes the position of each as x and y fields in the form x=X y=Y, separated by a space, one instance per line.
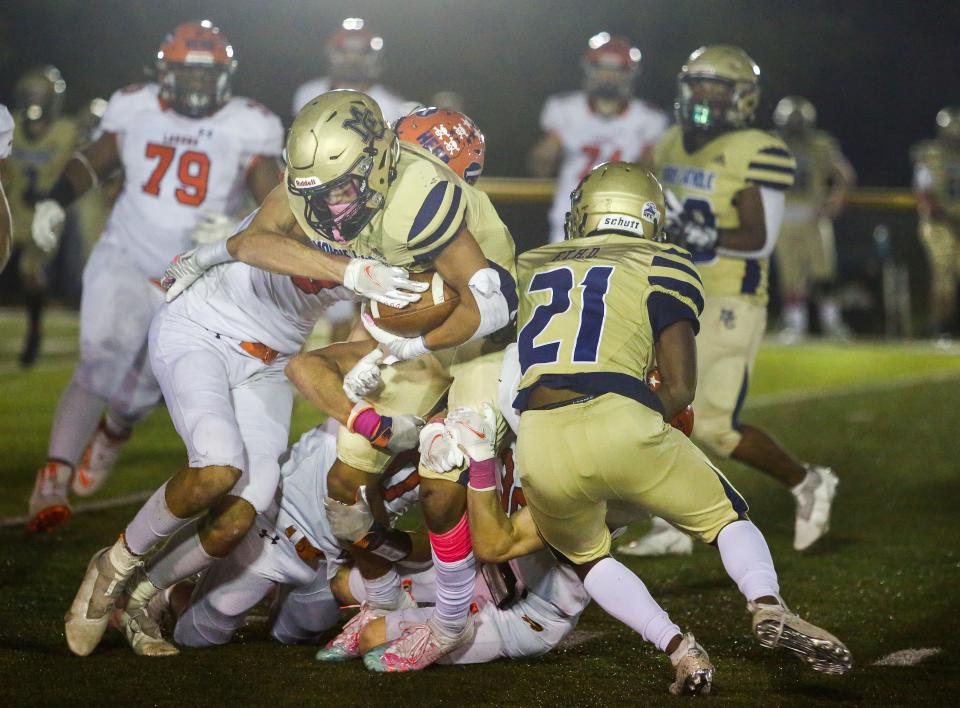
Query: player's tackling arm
x=497 y=537
x=676 y=351
x=319 y=375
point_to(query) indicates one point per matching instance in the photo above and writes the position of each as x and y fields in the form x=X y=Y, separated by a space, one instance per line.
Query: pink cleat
x=419 y=646
x=346 y=645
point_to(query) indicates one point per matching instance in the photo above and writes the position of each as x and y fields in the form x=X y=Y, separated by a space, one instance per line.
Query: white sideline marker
x=908 y=657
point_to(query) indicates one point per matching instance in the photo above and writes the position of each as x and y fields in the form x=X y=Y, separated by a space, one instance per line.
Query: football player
x=806 y=253
x=355 y=60
x=603 y=121
x=594 y=314
x=726 y=184
x=6 y=225
x=43 y=142
x=936 y=182
x=186 y=145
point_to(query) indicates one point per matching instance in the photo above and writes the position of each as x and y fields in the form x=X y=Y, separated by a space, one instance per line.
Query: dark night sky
x=877 y=71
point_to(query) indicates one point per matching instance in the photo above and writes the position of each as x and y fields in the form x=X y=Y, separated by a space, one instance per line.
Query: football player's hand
x=349 y=522
x=404 y=432
x=363 y=377
x=686 y=229
x=438 y=449
x=212 y=227
x=383 y=283
x=474 y=432
x=182 y=272
x=674 y=215
x=402 y=348
x=48 y=218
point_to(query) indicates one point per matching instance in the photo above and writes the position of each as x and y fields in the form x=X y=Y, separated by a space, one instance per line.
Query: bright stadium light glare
x=635 y=54
x=376 y=44
x=353 y=23
x=598 y=40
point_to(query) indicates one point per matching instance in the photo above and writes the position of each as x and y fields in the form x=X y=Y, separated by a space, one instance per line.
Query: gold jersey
x=936 y=171
x=33 y=167
x=815 y=153
x=707 y=182
x=591 y=310
x=425 y=205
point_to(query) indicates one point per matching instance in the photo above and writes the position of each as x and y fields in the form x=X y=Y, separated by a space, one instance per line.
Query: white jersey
x=589 y=139
x=6 y=132
x=391 y=105
x=176 y=168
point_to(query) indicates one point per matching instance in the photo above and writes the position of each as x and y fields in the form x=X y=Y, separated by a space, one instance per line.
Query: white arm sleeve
x=494 y=310
x=773 y=202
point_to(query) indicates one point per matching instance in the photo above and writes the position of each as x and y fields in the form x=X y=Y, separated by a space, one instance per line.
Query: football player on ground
x=6 y=225
x=594 y=314
x=43 y=142
x=726 y=183
x=806 y=253
x=601 y=122
x=355 y=61
x=186 y=146
x=936 y=182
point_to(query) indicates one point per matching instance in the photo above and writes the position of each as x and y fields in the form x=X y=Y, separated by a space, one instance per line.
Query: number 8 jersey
x=592 y=309
x=176 y=168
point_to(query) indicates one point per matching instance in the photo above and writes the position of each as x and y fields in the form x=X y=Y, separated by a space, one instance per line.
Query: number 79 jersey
x=592 y=309
x=176 y=168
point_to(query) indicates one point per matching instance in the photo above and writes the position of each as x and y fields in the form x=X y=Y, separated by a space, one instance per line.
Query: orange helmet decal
x=450 y=135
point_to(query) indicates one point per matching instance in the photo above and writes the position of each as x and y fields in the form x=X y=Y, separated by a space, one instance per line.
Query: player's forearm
x=85 y=170
x=459 y=326
x=494 y=537
x=320 y=381
x=676 y=352
x=281 y=253
x=742 y=239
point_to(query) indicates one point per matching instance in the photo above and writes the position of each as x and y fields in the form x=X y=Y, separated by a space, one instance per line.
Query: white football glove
x=349 y=522
x=182 y=272
x=363 y=377
x=438 y=449
x=684 y=229
x=475 y=433
x=383 y=283
x=48 y=218
x=213 y=227
x=404 y=432
x=402 y=348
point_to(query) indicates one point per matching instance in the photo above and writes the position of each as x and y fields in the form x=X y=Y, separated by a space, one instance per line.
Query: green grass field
x=885 y=579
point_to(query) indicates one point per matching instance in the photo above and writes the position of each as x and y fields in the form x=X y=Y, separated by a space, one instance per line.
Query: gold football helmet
x=39 y=93
x=340 y=160
x=617 y=197
x=717 y=88
x=948 y=124
x=795 y=114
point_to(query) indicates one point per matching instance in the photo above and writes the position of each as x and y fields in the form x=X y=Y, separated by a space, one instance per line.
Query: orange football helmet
x=195 y=65
x=353 y=53
x=611 y=64
x=450 y=135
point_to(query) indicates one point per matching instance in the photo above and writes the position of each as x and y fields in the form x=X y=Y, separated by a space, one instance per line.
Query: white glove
x=185 y=268
x=475 y=433
x=383 y=283
x=402 y=348
x=48 y=218
x=349 y=522
x=363 y=377
x=404 y=432
x=438 y=449
x=684 y=229
x=212 y=227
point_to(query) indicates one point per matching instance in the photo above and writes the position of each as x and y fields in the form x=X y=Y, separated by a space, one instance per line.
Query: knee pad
x=259 y=482
x=215 y=441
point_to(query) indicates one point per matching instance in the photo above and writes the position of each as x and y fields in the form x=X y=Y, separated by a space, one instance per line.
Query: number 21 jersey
x=176 y=168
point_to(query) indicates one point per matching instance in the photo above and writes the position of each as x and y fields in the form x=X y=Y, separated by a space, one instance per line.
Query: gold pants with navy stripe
x=573 y=460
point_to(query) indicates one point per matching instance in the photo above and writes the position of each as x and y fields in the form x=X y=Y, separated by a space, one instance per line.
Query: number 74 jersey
x=176 y=168
x=592 y=309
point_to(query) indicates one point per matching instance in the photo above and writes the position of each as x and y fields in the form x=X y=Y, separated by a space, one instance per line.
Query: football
x=422 y=316
x=683 y=421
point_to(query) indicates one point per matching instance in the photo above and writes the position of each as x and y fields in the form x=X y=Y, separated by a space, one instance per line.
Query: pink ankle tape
x=366 y=423
x=483 y=474
x=454 y=545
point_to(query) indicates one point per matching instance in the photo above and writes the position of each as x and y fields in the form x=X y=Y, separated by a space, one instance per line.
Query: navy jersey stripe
x=445 y=224
x=667 y=263
x=428 y=210
x=771 y=168
x=751 y=277
x=663 y=310
x=779 y=152
x=686 y=255
x=779 y=186
x=691 y=292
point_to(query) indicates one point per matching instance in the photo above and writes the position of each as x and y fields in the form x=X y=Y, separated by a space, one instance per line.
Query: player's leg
x=938 y=242
x=792 y=277
x=823 y=275
x=33 y=279
x=305 y=611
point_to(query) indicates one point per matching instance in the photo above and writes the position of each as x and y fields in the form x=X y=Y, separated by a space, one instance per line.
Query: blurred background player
x=936 y=181
x=728 y=182
x=603 y=121
x=6 y=225
x=186 y=146
x=43 y=142
x=806 y=253
x=354 y=61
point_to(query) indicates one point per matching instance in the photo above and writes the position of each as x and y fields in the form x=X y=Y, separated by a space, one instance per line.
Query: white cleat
x=49 y=506
x=776 y=626
x=661 y=540
x=89 y=613
x=98 y=461
x=694 y=670
x=814 y=497
x=140 y=626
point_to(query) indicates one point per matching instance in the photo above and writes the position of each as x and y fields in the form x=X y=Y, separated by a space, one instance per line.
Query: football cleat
x=139 y=626
x=661 y=540
x=694 y=670
x=776 y=626
x=89 y=613
x=419 y=646
x=98 y=460
x=49 y=506
x=814 y=497
x=346 y=645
